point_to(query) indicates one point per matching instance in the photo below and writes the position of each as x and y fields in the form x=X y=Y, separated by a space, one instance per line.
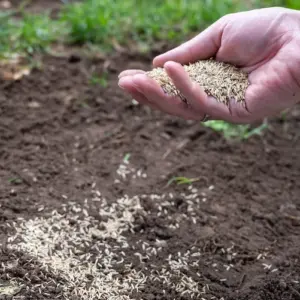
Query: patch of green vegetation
x=107 y=21
x=283 y=115
x=84 y=105
x=36 y=32
x=182 y=180
x=293 y=4
x=233 y=131
x=15 y=180
x=27 y=34
x=101 y=80
x=126 y=157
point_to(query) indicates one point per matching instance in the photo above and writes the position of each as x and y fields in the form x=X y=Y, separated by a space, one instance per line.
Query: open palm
x=265 y=43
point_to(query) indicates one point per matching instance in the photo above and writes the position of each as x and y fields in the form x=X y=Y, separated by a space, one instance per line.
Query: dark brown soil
x=60 y=136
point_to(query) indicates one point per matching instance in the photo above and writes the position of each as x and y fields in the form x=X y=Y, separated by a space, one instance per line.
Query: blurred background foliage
x=107 y=23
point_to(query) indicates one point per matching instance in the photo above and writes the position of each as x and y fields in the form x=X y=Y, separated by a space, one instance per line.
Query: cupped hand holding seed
x=264 y=43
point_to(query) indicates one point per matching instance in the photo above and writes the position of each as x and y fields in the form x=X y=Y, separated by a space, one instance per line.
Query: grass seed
x=218 y=79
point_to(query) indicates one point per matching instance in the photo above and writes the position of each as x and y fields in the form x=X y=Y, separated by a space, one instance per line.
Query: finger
x=156 y=96
x=143 y=84
x=126 y=84
x=130 y=73
x=199 y=101
x=183 y=83
x=203 y=46
x=171 y=105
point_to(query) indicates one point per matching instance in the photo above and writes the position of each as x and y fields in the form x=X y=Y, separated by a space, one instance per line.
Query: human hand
x=265 y=43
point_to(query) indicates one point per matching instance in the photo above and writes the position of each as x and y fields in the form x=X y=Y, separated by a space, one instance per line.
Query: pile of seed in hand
x=221 y=80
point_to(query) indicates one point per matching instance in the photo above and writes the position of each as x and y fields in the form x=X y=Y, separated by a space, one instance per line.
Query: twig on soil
x=292 y=217
x=182 y=144
x=179 y=146
x=167 y=153
x=242 y=281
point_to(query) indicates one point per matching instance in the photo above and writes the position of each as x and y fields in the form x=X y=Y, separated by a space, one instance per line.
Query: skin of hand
x=264 y=42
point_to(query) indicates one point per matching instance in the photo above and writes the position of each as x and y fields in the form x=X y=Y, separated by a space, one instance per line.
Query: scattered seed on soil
x=218 y=79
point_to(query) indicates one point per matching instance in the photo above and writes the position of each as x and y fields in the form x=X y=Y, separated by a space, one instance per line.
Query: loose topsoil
x=234 y=234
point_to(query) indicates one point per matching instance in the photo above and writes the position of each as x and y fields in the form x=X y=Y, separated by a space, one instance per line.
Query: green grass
x=27 y=35
x=15 y=180
x=144 y=21
x=127 y=157
x=182 y=180
x=99 y=80
x=83 y=104
x=233 y=131
x=294 y=4
x=106 y=23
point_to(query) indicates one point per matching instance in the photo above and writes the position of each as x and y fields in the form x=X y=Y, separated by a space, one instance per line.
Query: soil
x=234 y=234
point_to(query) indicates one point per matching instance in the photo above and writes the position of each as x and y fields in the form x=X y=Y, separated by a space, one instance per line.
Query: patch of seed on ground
x=218 y=79
x=125 y=170
x=23 y=277
x=82 y=250
x=104 y=255
x=122 y=249
x=95 y=257
x=92 y=254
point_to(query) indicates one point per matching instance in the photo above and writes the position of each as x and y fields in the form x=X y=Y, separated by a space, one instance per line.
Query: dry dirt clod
x=218 y=79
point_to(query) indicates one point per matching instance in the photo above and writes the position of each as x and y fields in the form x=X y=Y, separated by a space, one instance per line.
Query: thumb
x=203 y=46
